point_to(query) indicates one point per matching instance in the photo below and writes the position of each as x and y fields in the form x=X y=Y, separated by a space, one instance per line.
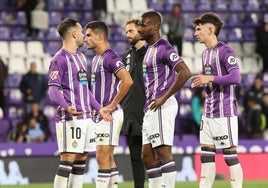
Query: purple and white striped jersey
x=221 y=99
x=68 y=71
x=158 y=69
x=104 y=83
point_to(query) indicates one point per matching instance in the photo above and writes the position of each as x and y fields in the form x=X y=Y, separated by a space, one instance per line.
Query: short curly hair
x=210 y=18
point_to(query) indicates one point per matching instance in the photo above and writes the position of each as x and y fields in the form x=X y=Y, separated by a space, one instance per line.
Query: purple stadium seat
x=188 y=5
x=14 y=122
x=55 y=18
x=57 y=5
x=73 y=5
x=236 y=5
x=119 y=47
x=203 y=5
x=235 y=19
x=74 y=15
x=219 y=5
x=4 y=129
x=52 y=34
x=189 y=34
x=188 y=17
x=235 y=34
x=252 y=5
x=4 y=33
x=18 y=33
x=14 y=112
x=223 y=35
x=118 y=33
x=20 y=17
x=184 y=95
x=251 y=19
x=156 y=5
x=13 y=81
x=249 y=34
x=87 y=4
x=52 y=47
x=87 y=17
x=169 y=4
x=14 y=96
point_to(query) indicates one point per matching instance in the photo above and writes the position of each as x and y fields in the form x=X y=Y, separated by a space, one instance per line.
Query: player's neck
x=101 y=48
x=70 y=47
x=211 y=43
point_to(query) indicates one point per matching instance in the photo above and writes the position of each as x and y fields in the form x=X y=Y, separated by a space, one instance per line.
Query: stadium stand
x=240 y=19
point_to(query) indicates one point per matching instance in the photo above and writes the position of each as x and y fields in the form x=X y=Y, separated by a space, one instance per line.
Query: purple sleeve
x=94 y=103
x=54 y=94
x=232 y=78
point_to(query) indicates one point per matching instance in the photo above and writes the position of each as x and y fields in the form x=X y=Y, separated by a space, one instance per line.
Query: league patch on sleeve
x=174 y=57
x=231 y=60
x=53 y=75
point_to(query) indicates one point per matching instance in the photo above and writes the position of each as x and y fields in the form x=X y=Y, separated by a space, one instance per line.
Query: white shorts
x=76 y=136
x=158 y=126
x=107 y=133
x=221 y=132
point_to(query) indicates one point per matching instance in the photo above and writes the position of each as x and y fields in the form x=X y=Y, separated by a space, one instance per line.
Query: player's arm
x=233 y=77
x=55 y=95
x=104 y=112
x=125 y=83
x=183 y=75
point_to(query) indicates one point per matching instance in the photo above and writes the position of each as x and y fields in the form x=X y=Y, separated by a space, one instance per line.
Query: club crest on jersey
x=118 y=63
x=53 y=75
x=75 y=144
x=231 y=60
x=174 y=57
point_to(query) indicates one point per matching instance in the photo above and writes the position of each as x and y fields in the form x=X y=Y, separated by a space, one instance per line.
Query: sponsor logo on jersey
x=231 y=60
x=218 y=138
x=174 y=57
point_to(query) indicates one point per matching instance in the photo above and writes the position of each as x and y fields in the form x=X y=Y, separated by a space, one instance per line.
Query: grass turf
x=217 y=184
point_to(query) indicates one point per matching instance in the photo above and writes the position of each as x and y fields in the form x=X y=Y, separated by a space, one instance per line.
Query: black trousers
x=138 y=170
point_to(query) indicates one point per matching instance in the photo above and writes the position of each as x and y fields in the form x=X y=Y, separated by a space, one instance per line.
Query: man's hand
x=201 y=80
x=71 y=110
x=106 y=114
x=156 y=103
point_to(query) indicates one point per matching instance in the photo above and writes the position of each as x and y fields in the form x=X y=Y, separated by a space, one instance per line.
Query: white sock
x=103 y=178
x=155 y=177
x=236 y=171
x=62 y=176
x=155 y=182
x=236 y=176
x=169 y=173
x=60 y=182
x=207 y=177
x=114 y=178
x=77 y=175
x=208 y=167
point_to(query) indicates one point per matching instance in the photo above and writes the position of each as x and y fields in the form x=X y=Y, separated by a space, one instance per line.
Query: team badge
x=174 y=57
x=231 y=60
x=75 y=144
x=54 y=75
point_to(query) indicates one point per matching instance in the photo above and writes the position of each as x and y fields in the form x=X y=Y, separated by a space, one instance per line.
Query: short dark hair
x=210 y=18
x=64 y=26
x=153 y=16
x=134 y=21
x=98 y=27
